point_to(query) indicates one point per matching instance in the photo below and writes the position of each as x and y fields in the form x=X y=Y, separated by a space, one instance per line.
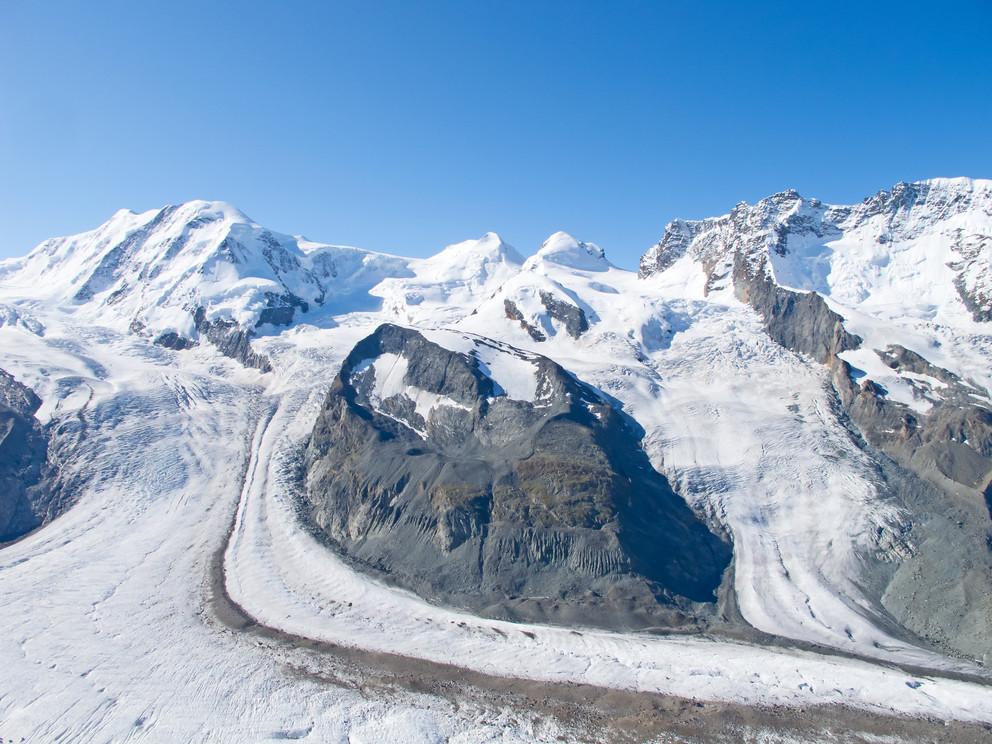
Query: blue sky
x=407 y=126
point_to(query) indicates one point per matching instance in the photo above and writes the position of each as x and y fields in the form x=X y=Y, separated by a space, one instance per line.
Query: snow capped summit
x=473 y=261
x=562 y=249
x=448 y=285
x=201 y=268
x=156 y=268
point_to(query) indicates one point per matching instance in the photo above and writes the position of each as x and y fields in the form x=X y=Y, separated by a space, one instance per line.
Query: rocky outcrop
x=513 y=313
x=571 y=316
x=280 y=309
x=26 y=494
x=231 y=340
x=174 y=341
x=422 y=468
x=949 y=445
x=800 y=321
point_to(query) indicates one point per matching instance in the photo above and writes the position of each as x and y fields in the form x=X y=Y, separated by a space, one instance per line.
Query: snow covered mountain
x=196 y=269
x=920 y=250
x=807 y=383
x=893 y=292
x=447 y=286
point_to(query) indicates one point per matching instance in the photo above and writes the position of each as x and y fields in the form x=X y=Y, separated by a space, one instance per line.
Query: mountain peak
x=211 y=209
x=487 y=249
x=563 y=249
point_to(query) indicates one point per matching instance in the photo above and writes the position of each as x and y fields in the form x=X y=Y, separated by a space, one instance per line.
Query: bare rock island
x=492 y=479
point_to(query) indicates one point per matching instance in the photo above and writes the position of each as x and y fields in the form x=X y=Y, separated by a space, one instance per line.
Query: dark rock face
x=175 y=341
x=280 y=309
x=26 y=498
x=800 y=321
x=544 y=510
x=513 y=313
x=231 y=340
x=572 y=316
x=950 y=445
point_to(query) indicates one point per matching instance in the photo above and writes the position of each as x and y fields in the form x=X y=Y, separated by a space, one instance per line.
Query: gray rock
x=280 y=309
x=573 y=317
x=26 y=497
x=800 y=321
x=513 y=313
x=175 y=341
x=231 y=340
x=544 y=510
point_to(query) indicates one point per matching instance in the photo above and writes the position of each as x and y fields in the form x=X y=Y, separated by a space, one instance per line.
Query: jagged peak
x=785 y=196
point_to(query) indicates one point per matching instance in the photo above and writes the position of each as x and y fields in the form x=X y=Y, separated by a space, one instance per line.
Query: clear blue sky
x=406 y=126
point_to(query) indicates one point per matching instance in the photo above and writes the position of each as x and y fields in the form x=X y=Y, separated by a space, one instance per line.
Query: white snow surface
x=156 y=268
x=513 y=370
x=446 y=286
x=106 y=632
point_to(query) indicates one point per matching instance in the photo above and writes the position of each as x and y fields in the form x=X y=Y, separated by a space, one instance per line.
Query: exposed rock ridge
x=541 y=509
x=231 y=340
x=572 y=316
x=27 y=496
x=948 y=442
x=750 y=233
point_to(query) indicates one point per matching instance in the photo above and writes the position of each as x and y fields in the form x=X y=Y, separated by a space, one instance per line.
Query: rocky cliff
x=26 y=496
x=495 y=480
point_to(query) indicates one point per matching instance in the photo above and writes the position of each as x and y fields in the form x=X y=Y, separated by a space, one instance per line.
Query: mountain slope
x=447 y=286
x=888 y=294
x=196 y=270
x=492 y=479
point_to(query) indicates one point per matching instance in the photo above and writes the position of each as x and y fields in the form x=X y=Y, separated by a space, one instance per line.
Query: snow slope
x=744 y=430
x=448 y=285
x=107 y=632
